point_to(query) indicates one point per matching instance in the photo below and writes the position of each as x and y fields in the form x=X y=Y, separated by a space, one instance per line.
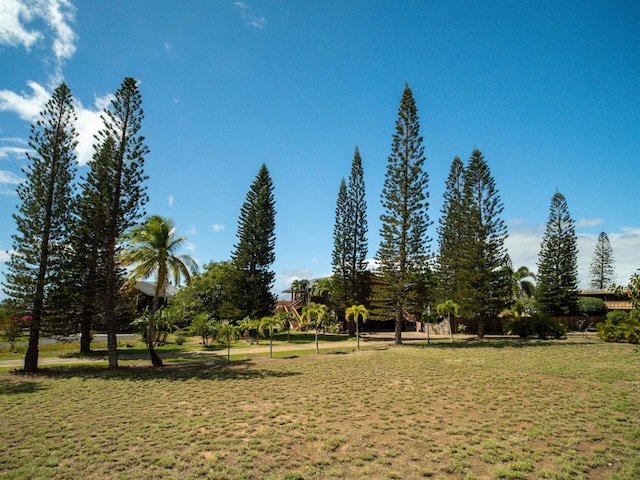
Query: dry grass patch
x=508 y=410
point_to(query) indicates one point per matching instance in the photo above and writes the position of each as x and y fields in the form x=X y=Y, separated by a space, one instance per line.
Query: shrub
x=620 y=327
x=537 y=324
x=617 y=317
x=180 y=339
x=592 y=306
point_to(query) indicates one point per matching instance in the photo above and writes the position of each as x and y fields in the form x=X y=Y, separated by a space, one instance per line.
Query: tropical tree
x=404 y=247
x=357 y=312
x=269 y=324
x=301 y=290
x=316 y=315
x=209 y=292
x=484 y=283
x=255 y=251
x=36 y=269
x=322 y=288
x=601 y=271
x=116 y=178
x=286 y=318
x=523 y=283
x=445 y=310
x=151 y=250
x=247 y=324
x=557 y=288
x=204 y=326
x=227 y=333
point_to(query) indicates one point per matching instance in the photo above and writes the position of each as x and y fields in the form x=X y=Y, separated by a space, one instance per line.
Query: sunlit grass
x=553 y=410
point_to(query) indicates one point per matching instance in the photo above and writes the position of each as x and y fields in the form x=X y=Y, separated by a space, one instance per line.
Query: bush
x=592 y=306
x=620 y=327
x=180 y=339
x=537 y=324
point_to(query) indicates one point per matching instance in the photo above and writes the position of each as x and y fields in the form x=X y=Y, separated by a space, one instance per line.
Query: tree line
x=66 y=270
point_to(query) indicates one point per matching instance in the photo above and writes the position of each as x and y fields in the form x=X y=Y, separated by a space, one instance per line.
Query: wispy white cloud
x=190 y=246
x=168 y=47
x=58 y=16
x=14 y=14
x=171 y=199
x=217 y=227
x=7 y=151
x=26 y=106
x=191 y=231
x=29 y=105
x=589 y=222
x=252 y=20
x=8 y=182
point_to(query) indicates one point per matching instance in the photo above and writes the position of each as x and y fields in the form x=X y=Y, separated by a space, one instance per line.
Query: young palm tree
x=357 y=311
x=150 y=248
x=316 y=314
x=227 y=333
x=446 y=309
x=270 y=324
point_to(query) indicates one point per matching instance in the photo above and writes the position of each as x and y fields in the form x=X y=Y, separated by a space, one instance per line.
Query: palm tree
x=227 y=332
x=270 y=324
x=247 y=324
x=447 y=308
x=521 y=287
x=357 y=311
x=322 y=288
x=316 y=314
x=150 y=248
x=286 y=318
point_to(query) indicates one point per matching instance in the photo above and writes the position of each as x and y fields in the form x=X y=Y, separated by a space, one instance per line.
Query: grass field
x=492 y=409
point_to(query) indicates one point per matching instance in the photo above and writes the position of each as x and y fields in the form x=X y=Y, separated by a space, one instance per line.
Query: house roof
x=149 y=289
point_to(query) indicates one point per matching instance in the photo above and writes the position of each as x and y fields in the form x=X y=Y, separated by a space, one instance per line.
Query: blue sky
x=548 y=91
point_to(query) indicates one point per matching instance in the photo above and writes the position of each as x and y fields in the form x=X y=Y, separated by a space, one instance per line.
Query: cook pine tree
x=36 y=270
x=601 y=271
x=254 y=253
x=485 y=285
x=116 y=182
x=450 y=231
x=404 y=247
x=557 y=286
x=350 y=241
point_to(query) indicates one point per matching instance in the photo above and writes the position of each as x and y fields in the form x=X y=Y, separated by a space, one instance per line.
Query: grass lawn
x=493 y=409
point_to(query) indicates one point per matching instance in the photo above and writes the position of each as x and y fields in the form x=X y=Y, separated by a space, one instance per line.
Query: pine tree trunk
x=399 y=325
x=85 y=333
x=31 y=356
x=109 y=306
x=480 y=328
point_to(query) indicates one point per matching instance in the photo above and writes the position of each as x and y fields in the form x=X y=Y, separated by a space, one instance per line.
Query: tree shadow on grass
x=502 y=342
x=18 y=386
x=212 y=369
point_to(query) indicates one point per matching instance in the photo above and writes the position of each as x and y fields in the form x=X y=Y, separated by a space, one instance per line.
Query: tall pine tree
x=557 y=287
x=601 y=271
x=350 y=241
x=255 y=251
x=450 y=231
x=404 y=247
x=484 y=283
x=36 y=268
x=340 y=254
x=91 y=213
x=116 y=178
